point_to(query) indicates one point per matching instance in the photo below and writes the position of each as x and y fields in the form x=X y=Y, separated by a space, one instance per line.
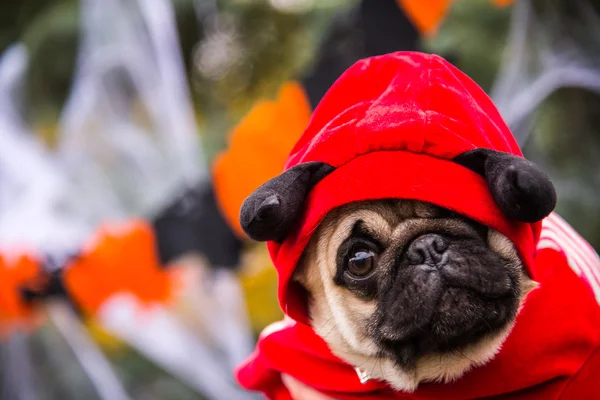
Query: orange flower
x=16 y=273
x=427 y=15
x=122 y=258
x=258 y=148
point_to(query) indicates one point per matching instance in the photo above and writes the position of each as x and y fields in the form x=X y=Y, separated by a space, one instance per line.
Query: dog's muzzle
x=443 y=293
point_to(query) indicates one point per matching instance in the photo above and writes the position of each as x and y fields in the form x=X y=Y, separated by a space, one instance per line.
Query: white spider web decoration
x=542 y=56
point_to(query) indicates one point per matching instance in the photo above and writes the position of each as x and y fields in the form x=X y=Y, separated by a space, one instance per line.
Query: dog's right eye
x=361 y=262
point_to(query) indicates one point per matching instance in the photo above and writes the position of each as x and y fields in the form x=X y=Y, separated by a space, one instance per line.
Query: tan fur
x=340 y=318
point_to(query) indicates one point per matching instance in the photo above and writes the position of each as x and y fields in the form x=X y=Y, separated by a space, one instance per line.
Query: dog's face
x=409 y=292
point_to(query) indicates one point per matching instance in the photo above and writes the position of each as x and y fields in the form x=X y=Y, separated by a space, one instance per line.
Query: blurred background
x=132 y=130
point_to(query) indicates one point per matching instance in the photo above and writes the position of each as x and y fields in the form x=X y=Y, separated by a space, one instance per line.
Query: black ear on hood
x=271 y=211
x=520 y=188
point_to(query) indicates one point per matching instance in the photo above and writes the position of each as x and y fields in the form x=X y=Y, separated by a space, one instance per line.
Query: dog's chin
x=460 y=319
x=465 y=330
x=462 y=334
x=437 y=310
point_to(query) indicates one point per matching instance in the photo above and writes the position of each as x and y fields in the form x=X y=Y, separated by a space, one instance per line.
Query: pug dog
x=409 y=233
x=404 y=290
x=409 y=291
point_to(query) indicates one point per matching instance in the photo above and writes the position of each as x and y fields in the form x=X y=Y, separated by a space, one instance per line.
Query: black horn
x=272 y=210
x=520 y=188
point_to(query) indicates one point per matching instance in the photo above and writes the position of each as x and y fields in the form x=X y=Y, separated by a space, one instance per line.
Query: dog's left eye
x=361 y=262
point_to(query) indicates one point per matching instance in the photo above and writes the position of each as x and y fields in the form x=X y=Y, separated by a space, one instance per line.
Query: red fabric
x=390 y=126
x=585 y=384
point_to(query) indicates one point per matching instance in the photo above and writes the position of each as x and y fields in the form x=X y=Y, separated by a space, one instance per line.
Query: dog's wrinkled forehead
x=380 y=218
x=395 y=210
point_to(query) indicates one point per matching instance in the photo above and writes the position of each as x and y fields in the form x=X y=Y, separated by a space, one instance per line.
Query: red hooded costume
x=414 y=112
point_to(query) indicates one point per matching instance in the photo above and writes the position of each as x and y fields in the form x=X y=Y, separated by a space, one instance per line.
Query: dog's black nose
x=427 y=249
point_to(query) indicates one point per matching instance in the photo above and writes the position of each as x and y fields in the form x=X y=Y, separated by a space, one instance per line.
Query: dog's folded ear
x=520 y=188
x=272 y=209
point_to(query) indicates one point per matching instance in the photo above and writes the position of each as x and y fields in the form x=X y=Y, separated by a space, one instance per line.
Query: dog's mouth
x=460 y=318
x=445 y=295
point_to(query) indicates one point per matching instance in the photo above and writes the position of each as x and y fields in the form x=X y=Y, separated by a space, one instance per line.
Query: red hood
x=390 y=126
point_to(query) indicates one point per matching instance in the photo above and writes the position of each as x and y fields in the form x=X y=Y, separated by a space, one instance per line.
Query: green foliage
x=190 y=30
x=16 y=17
x=259 y=47
x=51 y=39
x=266 y=47
x=566 y=142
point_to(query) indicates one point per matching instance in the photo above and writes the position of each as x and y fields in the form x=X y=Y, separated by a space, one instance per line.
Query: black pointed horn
x=520 y=188
x=273 y=209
